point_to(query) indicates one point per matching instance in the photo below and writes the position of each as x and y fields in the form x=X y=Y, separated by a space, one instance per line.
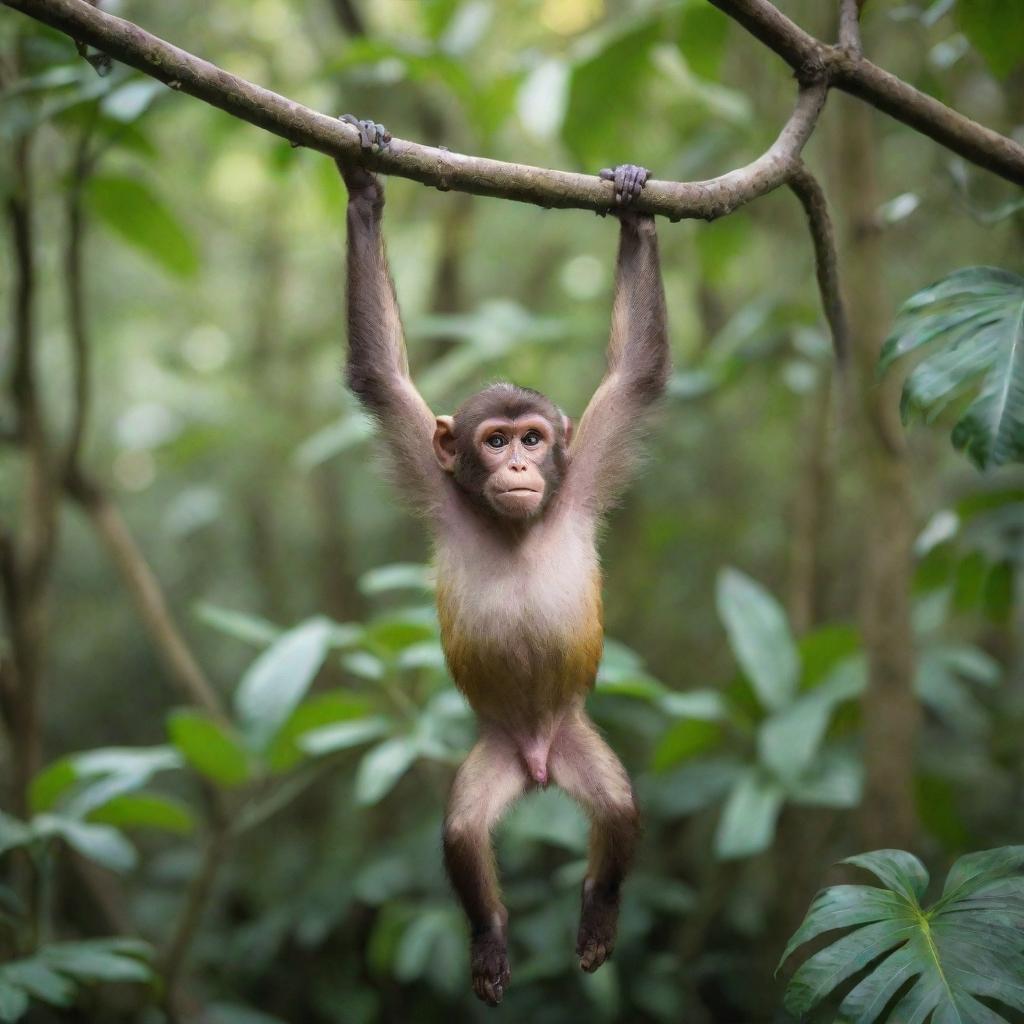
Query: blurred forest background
x=241 y=732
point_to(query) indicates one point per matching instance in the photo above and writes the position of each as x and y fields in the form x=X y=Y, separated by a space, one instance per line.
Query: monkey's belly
x=520 y=672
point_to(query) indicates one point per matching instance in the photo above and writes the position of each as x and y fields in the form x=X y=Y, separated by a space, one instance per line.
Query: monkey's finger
x=607 y=173
x=620 y=183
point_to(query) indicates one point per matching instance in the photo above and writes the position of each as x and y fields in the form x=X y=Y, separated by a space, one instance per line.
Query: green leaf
x=975 y=320
x=747 y=824
x=320 y=710
x=119 y=959
x=13 y=1001
x=789 y=740
x=382 y=767
x=965 y=947
x=995 y=30
x=400 y=576
x=208 y=747
x=707 y=705
x=396 y=633
x=684 y=740
x=343 y=735
x=834 y=779
x=900 y=871
x=99 y=843
x=145 y=810
x=279 y=678
x=130 y=101
x=760 y=637
x=13 y=833
x=40 y=981
x=240 y=625
x=131 y=210
x=131 y=767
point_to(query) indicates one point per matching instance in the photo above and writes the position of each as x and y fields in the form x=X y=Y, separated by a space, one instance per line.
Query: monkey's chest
x=522 y=632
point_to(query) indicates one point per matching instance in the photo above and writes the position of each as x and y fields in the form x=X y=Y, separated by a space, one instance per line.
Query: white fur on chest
x=543 y=586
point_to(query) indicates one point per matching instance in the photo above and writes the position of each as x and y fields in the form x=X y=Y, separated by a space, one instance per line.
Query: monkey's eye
x=531 y=439
x=496 y=441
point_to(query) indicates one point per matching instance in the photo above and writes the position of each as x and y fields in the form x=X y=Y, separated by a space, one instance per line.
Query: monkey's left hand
x=629 y=182
x=373 y=138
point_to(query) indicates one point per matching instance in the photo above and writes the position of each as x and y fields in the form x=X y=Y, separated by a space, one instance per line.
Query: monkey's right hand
x=373 y=138
x=629 y=181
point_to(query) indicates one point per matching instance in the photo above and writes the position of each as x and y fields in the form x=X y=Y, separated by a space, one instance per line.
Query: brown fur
x=519 y=601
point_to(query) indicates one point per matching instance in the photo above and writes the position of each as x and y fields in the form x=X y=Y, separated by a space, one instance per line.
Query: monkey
x=514 y=499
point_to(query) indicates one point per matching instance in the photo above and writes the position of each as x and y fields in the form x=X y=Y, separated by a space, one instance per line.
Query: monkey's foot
x=599 y=920
x=373 y=137
x=629 y=182
x=488 y=960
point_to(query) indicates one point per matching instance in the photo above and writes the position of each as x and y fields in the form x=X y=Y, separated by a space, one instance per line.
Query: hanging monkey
x=514 y=499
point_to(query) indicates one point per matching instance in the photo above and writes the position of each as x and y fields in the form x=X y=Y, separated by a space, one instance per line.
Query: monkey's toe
x=489 y=964
x=373 y=137
x=629 y=180
x=593 y=955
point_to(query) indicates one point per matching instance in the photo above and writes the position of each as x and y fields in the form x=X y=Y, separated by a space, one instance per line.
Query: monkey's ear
x=567 y=428
x=444 y=443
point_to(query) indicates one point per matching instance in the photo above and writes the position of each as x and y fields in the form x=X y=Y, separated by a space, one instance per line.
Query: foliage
x=56 y=972
x=941 y=961
x=977 y=317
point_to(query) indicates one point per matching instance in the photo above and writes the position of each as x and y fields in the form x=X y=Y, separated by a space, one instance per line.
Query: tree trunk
x=890 y=709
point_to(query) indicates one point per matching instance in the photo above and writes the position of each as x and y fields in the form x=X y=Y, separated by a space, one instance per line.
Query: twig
x=849 y=26
x=76 y=295
x=859 y=77
x=811 y=196
x=195 y=905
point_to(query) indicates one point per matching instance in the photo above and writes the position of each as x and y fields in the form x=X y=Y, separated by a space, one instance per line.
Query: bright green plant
x=972 y=323
x=965 y=947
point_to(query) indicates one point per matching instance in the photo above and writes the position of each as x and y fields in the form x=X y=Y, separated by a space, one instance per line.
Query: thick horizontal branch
x=182 y=71
x=849 y=71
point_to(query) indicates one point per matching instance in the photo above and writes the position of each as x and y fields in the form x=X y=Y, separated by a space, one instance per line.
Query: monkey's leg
x=491 y=777
x=588 y=770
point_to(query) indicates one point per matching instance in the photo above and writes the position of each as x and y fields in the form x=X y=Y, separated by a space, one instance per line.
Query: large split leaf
x=967 y=946
x=972 y=324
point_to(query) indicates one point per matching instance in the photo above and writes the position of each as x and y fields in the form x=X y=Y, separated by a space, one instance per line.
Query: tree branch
x=543 y=187
x=853 y=74
x=849 y=26
x=811 y=196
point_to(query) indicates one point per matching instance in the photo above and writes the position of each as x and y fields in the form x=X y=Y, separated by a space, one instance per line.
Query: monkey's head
x=506 y=448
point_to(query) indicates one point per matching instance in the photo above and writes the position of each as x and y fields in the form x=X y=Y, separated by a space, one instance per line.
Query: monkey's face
x=516 y=456
x=510 y=463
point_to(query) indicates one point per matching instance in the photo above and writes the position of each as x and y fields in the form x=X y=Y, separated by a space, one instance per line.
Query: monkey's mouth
x=521 y=490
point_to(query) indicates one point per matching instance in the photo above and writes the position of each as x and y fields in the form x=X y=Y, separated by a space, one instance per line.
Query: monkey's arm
x=378 y=368
x=605 y=446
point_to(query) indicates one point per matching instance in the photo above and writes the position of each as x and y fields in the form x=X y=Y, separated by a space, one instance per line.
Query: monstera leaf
x=967 y=946
x=973 y=321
